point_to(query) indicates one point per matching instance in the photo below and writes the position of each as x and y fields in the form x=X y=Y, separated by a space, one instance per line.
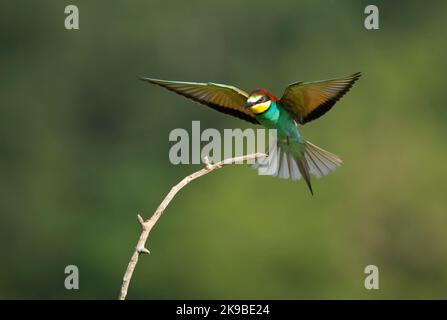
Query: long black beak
x=248 y=105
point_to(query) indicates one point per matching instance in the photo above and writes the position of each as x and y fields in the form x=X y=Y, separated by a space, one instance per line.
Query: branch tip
x=140 y=220
x=143 y=250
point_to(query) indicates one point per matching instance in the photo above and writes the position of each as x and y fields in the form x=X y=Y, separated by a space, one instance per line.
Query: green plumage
x=289 y=139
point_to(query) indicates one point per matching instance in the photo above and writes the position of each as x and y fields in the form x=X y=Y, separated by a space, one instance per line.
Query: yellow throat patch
x=260 y=107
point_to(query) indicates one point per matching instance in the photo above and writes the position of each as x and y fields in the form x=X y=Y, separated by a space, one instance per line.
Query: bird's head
x=259 y=101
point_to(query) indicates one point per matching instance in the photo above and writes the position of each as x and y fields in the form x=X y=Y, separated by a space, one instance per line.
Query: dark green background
x=84 y=148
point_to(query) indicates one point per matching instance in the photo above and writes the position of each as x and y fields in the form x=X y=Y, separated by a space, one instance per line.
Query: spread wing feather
x=308 y=101
x=223 y=98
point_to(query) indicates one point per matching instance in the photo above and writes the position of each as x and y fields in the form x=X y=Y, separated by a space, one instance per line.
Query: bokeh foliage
x=84 y=148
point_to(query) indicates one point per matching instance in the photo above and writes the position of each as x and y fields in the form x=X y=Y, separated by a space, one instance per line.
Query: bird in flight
x=300 y=103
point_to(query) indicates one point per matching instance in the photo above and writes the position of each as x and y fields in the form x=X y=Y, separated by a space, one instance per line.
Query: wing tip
x=325 y=107
x=151 y=80
x=355 y=76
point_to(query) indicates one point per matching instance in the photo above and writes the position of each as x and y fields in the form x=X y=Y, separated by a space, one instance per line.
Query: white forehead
x=254 y=98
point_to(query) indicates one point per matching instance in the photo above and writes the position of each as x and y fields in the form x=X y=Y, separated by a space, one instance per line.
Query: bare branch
x=147 y=225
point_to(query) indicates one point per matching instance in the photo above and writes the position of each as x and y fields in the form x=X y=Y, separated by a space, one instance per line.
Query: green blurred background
x=84 y=148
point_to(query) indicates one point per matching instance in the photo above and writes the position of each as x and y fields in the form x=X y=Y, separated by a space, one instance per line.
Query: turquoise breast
x=278 y=118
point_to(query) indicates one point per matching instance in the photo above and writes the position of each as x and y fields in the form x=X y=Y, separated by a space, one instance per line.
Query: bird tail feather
x=313 y=160
x=320 y=162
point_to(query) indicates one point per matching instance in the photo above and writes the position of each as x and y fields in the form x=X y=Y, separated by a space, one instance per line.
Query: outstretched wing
x=310 y=100
x=223 y=98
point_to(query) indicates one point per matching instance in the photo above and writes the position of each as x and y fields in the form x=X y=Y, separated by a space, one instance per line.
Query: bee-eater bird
x=300 y=103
